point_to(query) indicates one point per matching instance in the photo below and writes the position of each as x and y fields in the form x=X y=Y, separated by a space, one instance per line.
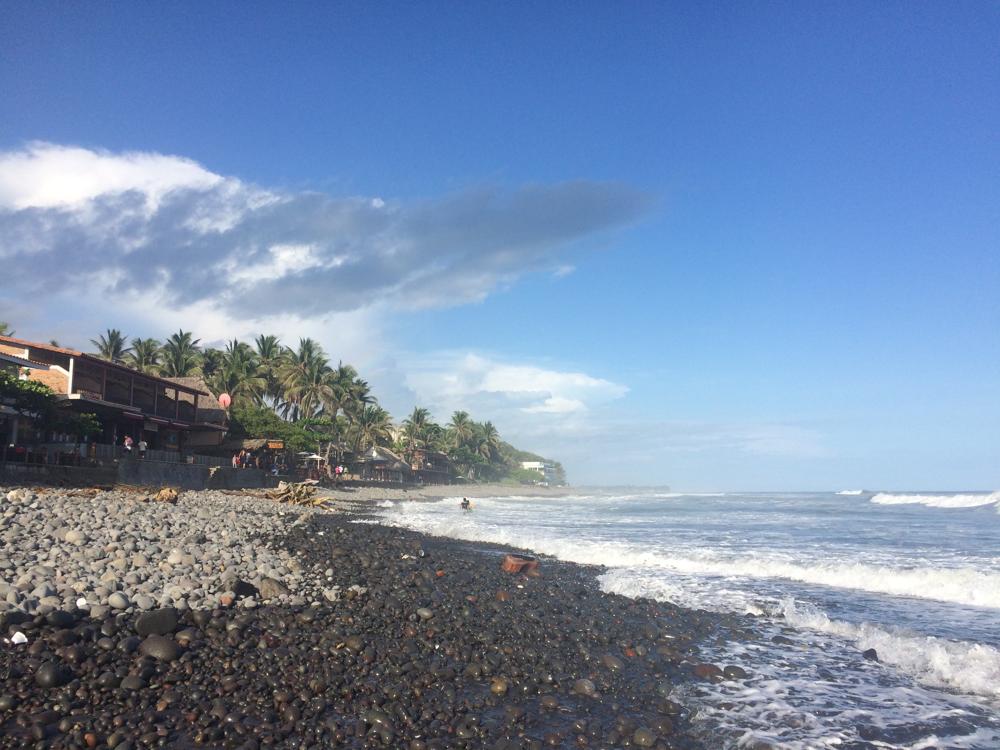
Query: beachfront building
x=167 y=414
x=545 y=469
x=10 y=421
x=431 y=467
x=379 y=464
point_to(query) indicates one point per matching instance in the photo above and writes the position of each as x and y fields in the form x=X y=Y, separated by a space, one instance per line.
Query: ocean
x=825 y=577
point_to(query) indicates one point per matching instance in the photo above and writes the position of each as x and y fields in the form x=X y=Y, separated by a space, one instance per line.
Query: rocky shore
x=233 y=622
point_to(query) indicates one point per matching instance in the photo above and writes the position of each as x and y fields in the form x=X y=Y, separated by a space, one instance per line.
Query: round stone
x=424 y=614
x=160 y=648
x=157 y=622
x=644 y=737
x=51 y=675
x=613 y=663
x=584 y=687
x=118 y=600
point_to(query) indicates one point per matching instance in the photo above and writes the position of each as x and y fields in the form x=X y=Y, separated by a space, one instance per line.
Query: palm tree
x=305 y=382
x=111 y=345
x=415 y=429
x=5 y=329
x=144 y=356
x=359 y=395
x=461 y=428
x=239 y=374
x=181 y=356
x=372 y=427
x=489 y=445
x=270 y=357
x=211 y=363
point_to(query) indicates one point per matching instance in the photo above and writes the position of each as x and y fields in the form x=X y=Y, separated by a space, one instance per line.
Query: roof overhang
x=21 y=362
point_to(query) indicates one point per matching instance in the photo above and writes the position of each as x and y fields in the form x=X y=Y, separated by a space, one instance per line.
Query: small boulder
x=160 y=648
x=157 y=622
x=51 y=674
x=271 y=588
x=118 y=600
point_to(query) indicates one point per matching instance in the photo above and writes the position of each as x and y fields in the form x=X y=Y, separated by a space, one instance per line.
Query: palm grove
x=296 y=394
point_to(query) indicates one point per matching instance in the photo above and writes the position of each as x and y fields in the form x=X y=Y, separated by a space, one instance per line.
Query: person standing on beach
x=142 y=447
x=127 y=444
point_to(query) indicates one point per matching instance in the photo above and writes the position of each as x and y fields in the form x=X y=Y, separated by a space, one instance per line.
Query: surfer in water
x=466 y=505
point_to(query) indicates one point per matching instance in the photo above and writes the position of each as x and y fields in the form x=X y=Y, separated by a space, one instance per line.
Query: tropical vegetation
x=36 y=400
x=296 y=394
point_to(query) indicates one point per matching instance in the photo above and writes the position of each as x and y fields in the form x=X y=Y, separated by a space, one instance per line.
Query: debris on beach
x=296 y=493
x=520 y=564
x=166 y=495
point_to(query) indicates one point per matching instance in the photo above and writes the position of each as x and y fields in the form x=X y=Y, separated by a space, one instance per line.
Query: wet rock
x=160 y=648
x=870 y=654
x=612 y=662
x=157 y=622
x=585 y=687
x=708 y=672
x=644 y=737
x=51 y=674
x=733 y=672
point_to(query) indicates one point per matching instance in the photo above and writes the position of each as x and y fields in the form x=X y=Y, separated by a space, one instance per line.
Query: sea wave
x=939 y=501
x=851 y=492
x=971 y=668
x=967 y=586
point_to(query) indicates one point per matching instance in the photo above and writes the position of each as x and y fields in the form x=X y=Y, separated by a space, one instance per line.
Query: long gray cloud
x=168 y=226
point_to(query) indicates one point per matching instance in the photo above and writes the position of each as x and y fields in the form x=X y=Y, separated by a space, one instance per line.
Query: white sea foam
x=851 y=492
x=939 y=501
x=966 y=585
x=746 y=554
x=971 y=668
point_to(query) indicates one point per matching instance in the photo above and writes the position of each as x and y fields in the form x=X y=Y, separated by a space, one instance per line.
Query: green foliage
x=5 y=329
x=180 y=356
x=35 y=400
x=295 y=395
x=256 y=421
x=144 y=355
x=111 y=345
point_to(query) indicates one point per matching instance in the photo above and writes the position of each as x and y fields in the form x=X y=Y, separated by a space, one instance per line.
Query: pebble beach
x=229 y=620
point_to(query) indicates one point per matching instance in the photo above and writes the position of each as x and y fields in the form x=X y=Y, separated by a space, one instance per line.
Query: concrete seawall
x=188 y=476
x=142 y=472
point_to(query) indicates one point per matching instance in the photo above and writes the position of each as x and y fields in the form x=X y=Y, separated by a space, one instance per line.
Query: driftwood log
x=296 y=493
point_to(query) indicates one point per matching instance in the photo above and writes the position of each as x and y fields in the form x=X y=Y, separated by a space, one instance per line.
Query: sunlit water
x=916 y=577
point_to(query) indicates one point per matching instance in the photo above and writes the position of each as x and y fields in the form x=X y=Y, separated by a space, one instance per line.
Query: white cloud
x=450 y=381
x=45 y=175
x=158 y=222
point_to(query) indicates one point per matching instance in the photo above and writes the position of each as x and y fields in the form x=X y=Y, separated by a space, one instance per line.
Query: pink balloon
x=225 y=400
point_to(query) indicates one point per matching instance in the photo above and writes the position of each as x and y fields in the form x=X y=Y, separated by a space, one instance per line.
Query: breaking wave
x=964 y=585
x=851 y=492
x=939 y=501
x=971 y=668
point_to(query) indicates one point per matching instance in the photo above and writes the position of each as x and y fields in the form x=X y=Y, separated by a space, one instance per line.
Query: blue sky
x=744 y=246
